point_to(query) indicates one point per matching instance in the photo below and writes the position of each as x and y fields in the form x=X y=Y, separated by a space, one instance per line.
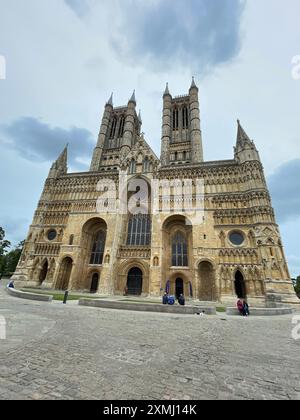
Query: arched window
x=71 y=240
x=139 y=230
x=185 y=118
x=98 y=248
x=113 y=128
x=132 y=168
x=146 y=165
x=121 y=127
x=175 y=119
x=179 y=251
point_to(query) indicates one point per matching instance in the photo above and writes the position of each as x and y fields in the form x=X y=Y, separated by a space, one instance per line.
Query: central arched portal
x=65 y=273
x=179 y=287
x=135 y=282
x=240 y=286
x=207 y=287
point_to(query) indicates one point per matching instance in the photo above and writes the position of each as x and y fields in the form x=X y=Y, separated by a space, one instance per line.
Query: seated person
x=11 y=285
x=171 y=300
x=240 y=306
x=181 y=300
x=165 y=299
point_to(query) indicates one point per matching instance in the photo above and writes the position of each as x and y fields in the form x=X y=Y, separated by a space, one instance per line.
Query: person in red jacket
x=240 y=306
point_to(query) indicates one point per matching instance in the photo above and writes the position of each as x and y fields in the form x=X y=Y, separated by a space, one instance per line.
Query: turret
x=166 y=127
x=95 y=164
x=129 y=128
x=196 y=136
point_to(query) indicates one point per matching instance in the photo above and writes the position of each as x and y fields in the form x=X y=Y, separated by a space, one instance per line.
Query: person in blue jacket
x=165 y=299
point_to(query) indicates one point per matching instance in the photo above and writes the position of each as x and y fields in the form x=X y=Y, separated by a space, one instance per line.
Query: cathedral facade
x=138 y=225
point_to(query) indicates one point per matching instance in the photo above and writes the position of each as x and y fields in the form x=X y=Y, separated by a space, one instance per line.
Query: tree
x=4 y=245
x=12 y=258
x=3 y=242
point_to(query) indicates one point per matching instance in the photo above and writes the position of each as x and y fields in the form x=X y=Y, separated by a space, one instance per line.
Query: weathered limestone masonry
x=235 y=250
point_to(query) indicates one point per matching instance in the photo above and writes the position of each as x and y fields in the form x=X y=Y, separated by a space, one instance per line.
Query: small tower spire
x=110 y=101
x=167 y=92
x=193 y=85
x=132 y=99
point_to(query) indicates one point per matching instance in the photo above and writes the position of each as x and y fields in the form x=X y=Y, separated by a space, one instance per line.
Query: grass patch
x=221 y=309
x=149 y=302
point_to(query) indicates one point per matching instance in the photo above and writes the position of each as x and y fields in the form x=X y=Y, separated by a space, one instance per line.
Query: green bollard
x=66 y=297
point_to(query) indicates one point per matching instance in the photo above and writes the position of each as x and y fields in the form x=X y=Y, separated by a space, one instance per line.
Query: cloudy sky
x=65 y=57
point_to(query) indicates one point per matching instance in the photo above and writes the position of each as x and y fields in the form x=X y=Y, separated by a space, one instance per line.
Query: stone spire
x=110 y=101
x=62 y=160
x=242 y=136
x=60 y=166
x=167 y=92
x=132 y=99
x=193 y=85
x=245 y=149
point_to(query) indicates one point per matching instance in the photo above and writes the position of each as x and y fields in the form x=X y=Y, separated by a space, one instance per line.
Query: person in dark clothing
x=243 y=307
x=246 y=309
x=11 y=285
x=165 y=299
x=181 y=300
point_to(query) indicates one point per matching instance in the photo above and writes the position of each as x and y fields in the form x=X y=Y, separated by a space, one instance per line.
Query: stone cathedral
x=236 y=250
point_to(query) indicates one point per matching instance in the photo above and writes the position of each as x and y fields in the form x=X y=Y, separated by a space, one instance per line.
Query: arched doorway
x=65 y=274
x=179 y=287
x=43 y=273
x=207 y=287
x=135 y=282
x=240 y=286
x=95 y=283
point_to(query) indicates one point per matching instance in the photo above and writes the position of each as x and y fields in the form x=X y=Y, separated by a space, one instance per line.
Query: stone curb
x=263 y=311
x=141 y=307
x=29 y=296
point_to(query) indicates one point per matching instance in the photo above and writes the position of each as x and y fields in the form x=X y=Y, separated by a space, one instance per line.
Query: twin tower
x=181 y=133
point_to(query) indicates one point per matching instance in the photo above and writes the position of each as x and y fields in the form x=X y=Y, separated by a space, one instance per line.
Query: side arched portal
x=64 y=274
x=207 y=286
x=240 y=286
x=95 y=283
x=44 y=272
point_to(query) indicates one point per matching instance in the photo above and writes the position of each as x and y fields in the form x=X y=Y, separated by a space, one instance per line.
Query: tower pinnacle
x=132 y=99
x=193 y=85
x=110 y=101
x=167 y=92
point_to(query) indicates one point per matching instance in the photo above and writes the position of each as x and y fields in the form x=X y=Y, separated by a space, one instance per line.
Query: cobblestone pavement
x=54 y=351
